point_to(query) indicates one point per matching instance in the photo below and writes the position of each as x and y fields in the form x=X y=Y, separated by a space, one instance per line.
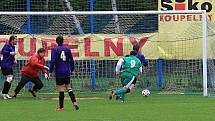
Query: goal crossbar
x=105 y=12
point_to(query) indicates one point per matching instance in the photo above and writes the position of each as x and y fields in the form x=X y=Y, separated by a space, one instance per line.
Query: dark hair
x=41 y=50
x=12 y=37
x=59 y=40
x=133 y=52
x=136 y=47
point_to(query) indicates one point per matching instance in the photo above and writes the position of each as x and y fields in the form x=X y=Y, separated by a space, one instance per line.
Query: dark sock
x=71 y=95
x=6 y=88
x=18 y=88
x=61 y=99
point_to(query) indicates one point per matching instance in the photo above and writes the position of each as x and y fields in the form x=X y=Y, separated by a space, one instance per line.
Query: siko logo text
x=186 y=5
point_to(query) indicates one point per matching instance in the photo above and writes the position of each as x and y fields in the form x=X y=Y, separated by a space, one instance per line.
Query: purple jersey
x=62 y=61
x=8 y=59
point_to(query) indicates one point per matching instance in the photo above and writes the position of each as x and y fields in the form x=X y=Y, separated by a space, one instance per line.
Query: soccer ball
x=145 y=92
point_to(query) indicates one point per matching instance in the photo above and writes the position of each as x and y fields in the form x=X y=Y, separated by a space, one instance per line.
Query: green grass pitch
x=136 y=108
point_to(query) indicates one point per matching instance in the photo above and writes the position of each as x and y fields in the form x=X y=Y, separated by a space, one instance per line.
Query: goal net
x=172 y=41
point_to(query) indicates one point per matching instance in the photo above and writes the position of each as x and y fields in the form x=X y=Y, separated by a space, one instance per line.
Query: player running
x=140 y=56
x=63 y=63
x=7 y=62
x=128 y=68
x=144 y=62
x=30 y=72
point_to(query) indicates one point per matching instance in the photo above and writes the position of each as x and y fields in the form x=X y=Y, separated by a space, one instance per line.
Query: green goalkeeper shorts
x=127 y=79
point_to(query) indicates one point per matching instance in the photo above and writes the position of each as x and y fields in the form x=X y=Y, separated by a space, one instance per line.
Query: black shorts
x=7 y=71
x=62 y=81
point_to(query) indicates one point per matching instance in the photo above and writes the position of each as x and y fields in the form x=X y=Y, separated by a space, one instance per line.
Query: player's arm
x=6 y=50
x=1 y=56
x=141 y=69
x=119 y=65
x=44 y=69
x=71 y=60
x=52 y=62
x=144 y=61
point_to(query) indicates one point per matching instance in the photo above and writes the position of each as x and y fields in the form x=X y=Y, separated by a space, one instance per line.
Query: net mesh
x=210 y=58
x=174 y=64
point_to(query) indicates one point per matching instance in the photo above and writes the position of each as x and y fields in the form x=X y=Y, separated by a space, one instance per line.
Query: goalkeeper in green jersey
x=128 y=68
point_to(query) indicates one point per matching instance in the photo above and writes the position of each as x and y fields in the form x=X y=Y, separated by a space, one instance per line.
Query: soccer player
x=144 y=62
x=30 y=72
x=7 y=62
x=128 y=68
x=139 y=55
x=63 y=63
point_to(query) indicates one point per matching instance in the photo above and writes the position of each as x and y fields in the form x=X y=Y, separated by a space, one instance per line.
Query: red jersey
x=34 y=65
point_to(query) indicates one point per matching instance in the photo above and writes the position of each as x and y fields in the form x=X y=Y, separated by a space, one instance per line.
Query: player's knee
x=68 y=86
x=9 y=79
x=125 y=88
x=132 y=87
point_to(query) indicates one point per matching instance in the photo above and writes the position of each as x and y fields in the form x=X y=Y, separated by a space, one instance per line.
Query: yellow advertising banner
x=111 y=46
x=88 y=46
x=185 y=29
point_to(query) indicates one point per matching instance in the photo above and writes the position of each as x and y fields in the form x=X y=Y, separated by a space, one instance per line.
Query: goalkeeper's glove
x=50 y=75
x=46 y=67
x=46 y=76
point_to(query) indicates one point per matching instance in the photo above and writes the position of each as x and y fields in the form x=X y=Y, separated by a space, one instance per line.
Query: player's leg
x=118 y=92
x=132 y=86
x=60 y=87
x=128 y=90
x=7 y=86
x=122 y=78
x=127 y=82
x=37 y=86
x=8 y=72
x=71 y=94
x=21 y=84
x=121 y=92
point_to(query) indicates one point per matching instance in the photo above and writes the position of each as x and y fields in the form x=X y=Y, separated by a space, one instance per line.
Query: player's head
x=59 y=40
x=13 y=40
x=136 y=47
x=41 y=52
x=133 y=52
